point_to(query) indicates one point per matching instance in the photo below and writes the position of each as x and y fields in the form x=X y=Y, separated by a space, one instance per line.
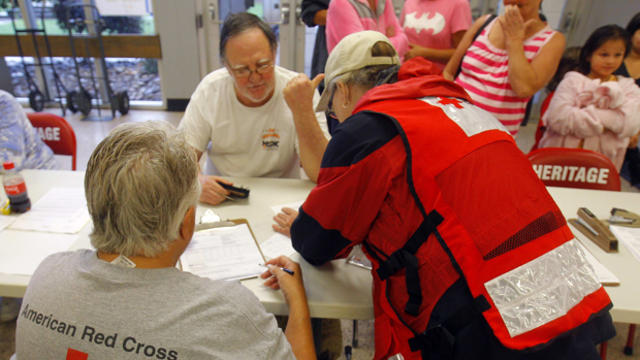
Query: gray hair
x=140 y=181
x=237 y=23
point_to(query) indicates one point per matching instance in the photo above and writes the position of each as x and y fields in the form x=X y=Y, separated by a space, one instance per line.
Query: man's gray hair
x=237 y=23
x=140 y=181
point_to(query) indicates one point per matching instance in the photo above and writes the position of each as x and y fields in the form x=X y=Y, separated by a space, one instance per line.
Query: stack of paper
x=6 y=220
x=294 y=205
x=277 y=245
x=223 y=253
x=61 y=210
x=604 y=275
x=630 y=237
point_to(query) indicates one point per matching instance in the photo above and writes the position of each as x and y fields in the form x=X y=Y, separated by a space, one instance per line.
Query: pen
x=288 y=271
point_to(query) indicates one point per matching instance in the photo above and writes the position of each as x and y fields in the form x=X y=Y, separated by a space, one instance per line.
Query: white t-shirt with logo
x=245 y=141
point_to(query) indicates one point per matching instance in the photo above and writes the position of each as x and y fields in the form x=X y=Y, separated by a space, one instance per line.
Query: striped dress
x=485 y=76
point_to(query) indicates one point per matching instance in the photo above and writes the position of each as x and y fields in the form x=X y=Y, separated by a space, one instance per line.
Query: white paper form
x=6 y=220
x=294 y=205
x=630 y=237
x=276 y=245
x=604 y=275
x=61 y=210
x=22 y=251
x=224 y=253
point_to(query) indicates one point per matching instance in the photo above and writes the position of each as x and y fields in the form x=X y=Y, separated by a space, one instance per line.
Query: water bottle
x=16 y=189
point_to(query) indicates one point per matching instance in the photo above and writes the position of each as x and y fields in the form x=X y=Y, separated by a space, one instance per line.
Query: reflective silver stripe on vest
x=470 y=118
x=365 y=12
x=543 y=289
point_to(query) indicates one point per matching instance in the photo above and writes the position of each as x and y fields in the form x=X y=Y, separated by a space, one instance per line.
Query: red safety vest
x=498 y=225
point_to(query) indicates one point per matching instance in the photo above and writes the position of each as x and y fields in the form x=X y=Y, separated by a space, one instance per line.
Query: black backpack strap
x=404 y=258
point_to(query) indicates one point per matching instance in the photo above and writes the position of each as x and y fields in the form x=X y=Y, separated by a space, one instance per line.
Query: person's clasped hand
x=299 y=91
x=584 y=98
x=609 y=95
x=276 y=278
x=212 y=193
x=513 y=25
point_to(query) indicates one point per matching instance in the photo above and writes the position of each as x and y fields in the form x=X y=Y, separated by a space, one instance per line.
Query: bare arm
x=525 y=77
x=454 y=62
x=311 y=140
x=298 y=330
x=439 y=55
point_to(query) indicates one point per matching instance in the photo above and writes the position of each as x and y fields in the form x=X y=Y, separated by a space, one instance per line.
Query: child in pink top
x=349 y=16
x=592 y=108
x=435 y=27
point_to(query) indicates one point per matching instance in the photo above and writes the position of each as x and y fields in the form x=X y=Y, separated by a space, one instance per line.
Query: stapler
x=624 y=217
x=235 y=192
x=595 y=229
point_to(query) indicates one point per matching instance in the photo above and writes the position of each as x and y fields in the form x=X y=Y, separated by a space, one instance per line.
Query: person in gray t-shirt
x=127 y=300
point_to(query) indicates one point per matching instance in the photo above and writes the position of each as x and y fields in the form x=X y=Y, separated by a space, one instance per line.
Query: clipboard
x=595 y=229
x=223 y=255
x=227 y=223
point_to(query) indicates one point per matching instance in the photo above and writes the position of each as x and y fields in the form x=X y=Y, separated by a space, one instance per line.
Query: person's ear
x=188 y=224
x=346 y=93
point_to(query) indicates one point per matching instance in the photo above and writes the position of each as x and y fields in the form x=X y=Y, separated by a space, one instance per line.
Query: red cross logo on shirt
x=451 y=101
x=73 y=354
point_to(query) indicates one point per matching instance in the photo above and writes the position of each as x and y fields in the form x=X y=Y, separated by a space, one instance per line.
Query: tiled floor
x=90 y=133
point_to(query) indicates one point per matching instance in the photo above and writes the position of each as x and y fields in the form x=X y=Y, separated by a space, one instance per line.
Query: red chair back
x=540 y=129
x=575 y=168
x=56 y=132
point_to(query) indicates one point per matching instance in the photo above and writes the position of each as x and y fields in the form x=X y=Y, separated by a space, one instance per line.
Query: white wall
x=553 y=9
x=179 y=67
x=606 y=12
x=584 y=16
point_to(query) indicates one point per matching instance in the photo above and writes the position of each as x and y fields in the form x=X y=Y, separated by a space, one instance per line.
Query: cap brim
x=323 y=104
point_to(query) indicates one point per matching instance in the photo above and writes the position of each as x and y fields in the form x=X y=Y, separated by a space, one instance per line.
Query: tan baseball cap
x=353 y=52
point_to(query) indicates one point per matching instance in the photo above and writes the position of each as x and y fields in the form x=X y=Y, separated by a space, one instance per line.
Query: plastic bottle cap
x=8 y=165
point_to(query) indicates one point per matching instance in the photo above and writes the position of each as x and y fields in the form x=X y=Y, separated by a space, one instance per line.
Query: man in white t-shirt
x=240 y=109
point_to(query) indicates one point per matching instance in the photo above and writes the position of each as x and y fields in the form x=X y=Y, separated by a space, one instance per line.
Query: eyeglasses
x=329 y=113
x=245 y=71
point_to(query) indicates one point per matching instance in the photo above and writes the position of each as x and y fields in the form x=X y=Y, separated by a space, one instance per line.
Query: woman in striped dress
x=512 y=58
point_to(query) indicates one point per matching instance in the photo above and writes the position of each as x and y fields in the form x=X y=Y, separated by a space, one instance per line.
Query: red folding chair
x=541 y=128
x=56 y=132
x=575 y=168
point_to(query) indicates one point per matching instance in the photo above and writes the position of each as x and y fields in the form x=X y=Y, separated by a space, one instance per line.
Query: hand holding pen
x=290 y=272
x=284 y=274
